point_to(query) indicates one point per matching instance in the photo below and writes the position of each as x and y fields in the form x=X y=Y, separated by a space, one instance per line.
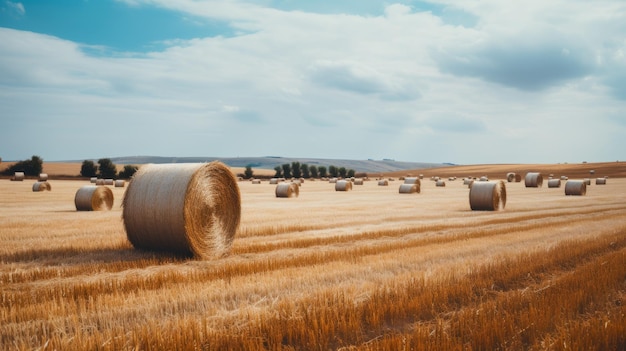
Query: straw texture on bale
x=41 y=186
x=287 y=190
x=575 y=187
x=487 y=196
x=93 y=198
x=510 y=177
x=186 y=209
x=383 y=182
x=120 y=183
x=440 y=183
x=554 y=183
x=533 y=180
x=18 y=176
x=409 y=188
x=43 y=177
x=600 y=181
x=343 y=185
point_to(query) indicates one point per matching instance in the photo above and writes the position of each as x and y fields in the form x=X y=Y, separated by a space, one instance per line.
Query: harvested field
x=374 y=270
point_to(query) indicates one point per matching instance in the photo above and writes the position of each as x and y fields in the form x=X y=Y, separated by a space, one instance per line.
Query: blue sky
x=429 y=81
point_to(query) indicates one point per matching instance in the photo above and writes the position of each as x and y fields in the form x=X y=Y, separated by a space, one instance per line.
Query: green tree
x=351 y=173
x=32 y=167
x=248 y=172
x=342 y=172
x=106 y=168
x=333 y=171
x=128 y=171
x=279 y=172
x=287 y=170
x=88 y=169
x=296 y=172
x=304 y=169
x=322 y=171
x=313 y=171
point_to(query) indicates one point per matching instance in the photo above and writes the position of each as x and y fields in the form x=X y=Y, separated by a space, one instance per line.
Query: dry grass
x=372 y=271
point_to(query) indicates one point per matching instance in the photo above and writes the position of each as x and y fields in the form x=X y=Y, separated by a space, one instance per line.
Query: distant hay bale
x=468 y=181
x=592 y=171
x=18 y=177
x=510 y=177
x=287 y=189
x=440 y=183
x=483 y=179
x=332 y=180
x=186 y=209
x=358 y=181
x=343 y=185
x=43 y=177
x=564 y=177
x=109 y=182
x=383 y=182
x=409 y=188
x=421 y=176
x=451 y=179
x=576 y=187
x=273 y=181
x=533 y=180
x=487 y=196
x=600 y=181
x=93 y=180
x=93 y=198
x=412 y=180
x=587 y=181
x=41 y=186
x=256 y=181
x=554 y=183
x=120 y=183
x=518 y=178
x=99 y=181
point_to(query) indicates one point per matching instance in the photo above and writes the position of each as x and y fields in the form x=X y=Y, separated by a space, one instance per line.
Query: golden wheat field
x=366 y=269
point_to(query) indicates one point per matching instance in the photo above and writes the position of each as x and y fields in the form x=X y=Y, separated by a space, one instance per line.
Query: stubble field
x=368 y=269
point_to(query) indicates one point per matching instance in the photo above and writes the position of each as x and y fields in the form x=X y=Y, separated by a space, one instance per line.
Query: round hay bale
x=533 y=180
x=93 y=198
x=273 y=181
x=343 y=185
x=554 y=183
x=43 y=177
x=468 y=181
x=518 y=178
x=333 y=180
x=186 y=209
x=575 y=187
x=412 y=180
x=483 y=179
x=409 y=188
x=18 y=177
x=487 y=196
x=358 y=181
x=510 y=177
x=120 y=183
x=600 y=181
x=587 y=181
x=287 y=189
x=256 y=181
x=93 y=180
x=592 y=171
x=41 y=186
x=383 y=182
x=440 y=183
x=564 y=177
x=99 y=181
x=109 y=182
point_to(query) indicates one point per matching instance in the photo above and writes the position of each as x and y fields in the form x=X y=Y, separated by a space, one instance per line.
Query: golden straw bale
x=109 y=182
x=487 y=196
x=440 y=183
x=41 y=186
x=600 y=181
x=120 y=183
x=93 y=198
x=587 y=181
x=409 y=188
x=43 y=177
x=273 y=181
x=533 y=180
x=411 y=180
x=343 y=185
x=186 y=209
x=576 y=187
x=256 y=181
x=285 y=189
x=93 y=180
x=358 y=181
x=18 y=177
x=554 y=183
x=383 y=182
x=510 y=177
x=99 y=181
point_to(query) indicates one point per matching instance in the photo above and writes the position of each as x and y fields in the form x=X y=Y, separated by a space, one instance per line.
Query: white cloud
x=16 y=7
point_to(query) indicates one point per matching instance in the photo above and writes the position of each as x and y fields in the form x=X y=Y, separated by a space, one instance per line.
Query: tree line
x=297 y=170
x=104 y=169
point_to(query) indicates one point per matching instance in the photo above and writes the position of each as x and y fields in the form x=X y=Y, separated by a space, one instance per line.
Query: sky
x=458 y=81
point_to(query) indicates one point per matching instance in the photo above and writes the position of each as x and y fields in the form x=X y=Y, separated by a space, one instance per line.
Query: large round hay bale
x=43 y=177
x=186 y=209
x=533 y=180
x=487 y=196
x=287 y=189
x=120 y=183
x=343 y=185
x=510 y=177
x=575 y=187
x=409 y=188
x=600 y=181
x=93 y=198
x=18 y=177
x=41 y=186
x=554 y=183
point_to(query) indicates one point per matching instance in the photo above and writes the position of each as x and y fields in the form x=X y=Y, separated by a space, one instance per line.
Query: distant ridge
x=269 y=162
